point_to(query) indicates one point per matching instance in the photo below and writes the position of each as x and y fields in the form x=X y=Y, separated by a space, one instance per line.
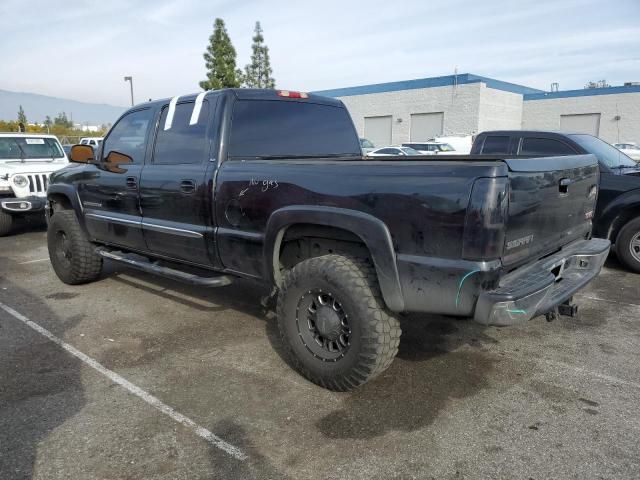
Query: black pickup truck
x=617 y=216
x=272 y=185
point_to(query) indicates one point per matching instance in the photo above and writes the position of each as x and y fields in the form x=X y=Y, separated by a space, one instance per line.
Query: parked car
x=430 y=148
x=392 y=151
x=26 y=162
x=617 y=215
x=630 y=149
x=366 y=146
x=93 y=141
x=282 y=195
x=460 y=143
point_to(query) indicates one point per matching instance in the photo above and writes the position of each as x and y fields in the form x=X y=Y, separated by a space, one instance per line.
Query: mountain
x=37 y=107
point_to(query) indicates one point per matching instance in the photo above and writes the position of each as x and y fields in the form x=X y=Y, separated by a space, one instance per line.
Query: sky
x=81 y=49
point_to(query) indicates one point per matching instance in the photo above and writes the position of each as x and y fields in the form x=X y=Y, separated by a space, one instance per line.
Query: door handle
x=132 y=183
x=187 y=186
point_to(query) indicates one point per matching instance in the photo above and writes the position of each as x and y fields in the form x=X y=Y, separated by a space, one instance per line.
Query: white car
x=431 y=148
x=389 y=151
x=366 y=146
x=26 y=161
x=460 y=143
x=93 y=141
x=630 y=149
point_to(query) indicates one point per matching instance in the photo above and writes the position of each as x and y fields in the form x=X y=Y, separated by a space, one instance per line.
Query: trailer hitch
x=566 y=309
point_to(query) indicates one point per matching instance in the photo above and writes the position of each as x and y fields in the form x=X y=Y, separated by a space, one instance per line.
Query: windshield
x=610 y=156
x=29 y=148
x=445 y=147
x=364 y=143
x=410 y=151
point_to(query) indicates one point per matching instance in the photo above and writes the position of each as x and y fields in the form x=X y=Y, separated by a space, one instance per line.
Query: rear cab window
x=496 y=144
x=291 y=129
x=544 y=146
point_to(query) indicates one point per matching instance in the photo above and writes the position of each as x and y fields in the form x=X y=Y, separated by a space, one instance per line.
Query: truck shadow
x=440 y=360
x=40 y=383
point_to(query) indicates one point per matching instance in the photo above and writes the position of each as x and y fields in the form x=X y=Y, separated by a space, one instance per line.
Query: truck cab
x=617 y=215
x=26 y=162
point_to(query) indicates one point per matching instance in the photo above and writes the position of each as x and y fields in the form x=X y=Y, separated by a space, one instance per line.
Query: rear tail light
x=486 y=219
x=290 y=94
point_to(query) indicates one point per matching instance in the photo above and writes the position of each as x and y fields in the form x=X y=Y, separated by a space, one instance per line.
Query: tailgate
x=551 y=203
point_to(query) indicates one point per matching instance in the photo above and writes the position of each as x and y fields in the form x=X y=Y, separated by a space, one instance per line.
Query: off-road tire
x=374 y=333
x=72 y=256
x=6 y=222
x=629 y=233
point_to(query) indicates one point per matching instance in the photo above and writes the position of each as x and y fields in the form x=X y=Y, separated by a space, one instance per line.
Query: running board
x=149 y=267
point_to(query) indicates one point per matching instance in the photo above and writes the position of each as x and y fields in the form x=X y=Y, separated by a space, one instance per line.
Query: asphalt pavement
x=135 y=376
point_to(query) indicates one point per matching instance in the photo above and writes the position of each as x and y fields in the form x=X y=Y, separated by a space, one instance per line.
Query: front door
x=176 y=193
x=110 y=198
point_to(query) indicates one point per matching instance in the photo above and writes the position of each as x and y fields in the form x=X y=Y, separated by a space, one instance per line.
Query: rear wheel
x=628 y=245
x=334 y=324
x=72 y=256
x=6 y=222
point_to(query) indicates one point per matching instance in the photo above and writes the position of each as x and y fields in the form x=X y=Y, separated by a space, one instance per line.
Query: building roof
x=583 y=92
x=527 y=93
x=447 y=80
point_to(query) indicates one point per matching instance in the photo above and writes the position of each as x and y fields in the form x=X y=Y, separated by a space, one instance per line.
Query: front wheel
x=6 y=222
x=333 y=322
x=72 y=256
x=628 y=245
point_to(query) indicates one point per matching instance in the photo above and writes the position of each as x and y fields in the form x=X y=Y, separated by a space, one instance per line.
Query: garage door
x=378 y=130
x=581 y=123
x=425 y=126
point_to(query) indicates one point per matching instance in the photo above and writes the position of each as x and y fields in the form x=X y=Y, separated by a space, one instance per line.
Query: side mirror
x=81 y=154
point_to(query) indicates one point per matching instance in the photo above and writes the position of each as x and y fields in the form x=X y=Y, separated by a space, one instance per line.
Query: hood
x=13 y=167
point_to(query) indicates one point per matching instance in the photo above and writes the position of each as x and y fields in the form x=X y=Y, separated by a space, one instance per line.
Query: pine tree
x=22 y=118
x=258 y=73
x=220 y=60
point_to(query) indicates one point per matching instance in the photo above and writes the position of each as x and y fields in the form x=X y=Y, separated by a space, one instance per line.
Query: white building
x=418 y=110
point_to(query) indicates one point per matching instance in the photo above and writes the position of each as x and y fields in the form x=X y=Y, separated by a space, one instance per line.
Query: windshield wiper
x=23 y=156
x=621 y=167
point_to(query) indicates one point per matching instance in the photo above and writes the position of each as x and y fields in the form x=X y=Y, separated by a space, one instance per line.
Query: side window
x=388 y=151
x=496 y=144
x=183 y=142
x=126 y=141
x=544 y=146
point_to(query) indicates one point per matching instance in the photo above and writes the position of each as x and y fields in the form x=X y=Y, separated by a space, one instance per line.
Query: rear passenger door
x=175 y=190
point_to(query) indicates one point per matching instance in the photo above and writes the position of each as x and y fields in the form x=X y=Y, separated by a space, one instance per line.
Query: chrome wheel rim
x=323 y=325
x=634 y=247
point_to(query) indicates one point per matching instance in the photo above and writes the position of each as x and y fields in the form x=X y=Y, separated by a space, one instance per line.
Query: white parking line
x=235 y=452
x=598 y=299
x=34 y=261
x=590 y=373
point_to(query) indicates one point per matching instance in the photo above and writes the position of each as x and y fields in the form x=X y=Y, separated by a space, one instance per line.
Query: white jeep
x=26 y=161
